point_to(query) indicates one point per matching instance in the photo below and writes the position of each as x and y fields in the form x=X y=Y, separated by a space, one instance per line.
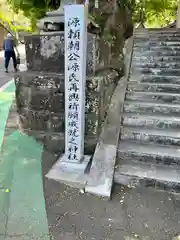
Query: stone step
x=156 y=38
x=158 y=30
x=144 y=42
x=154 y=87
x=151 y=121
x=156 y=51
x=153 y=36
x=156 y=48
x=148 y=153
x=155 y=97
x=150 y=78
x=153 y=53
x=156 y=71
x=149 y=149
x=151 y=107
x=160 y=136
x=155 y=64
x=148 y=175
x=156 y=59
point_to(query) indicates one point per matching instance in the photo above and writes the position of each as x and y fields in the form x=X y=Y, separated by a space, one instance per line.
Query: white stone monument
x=70 y=168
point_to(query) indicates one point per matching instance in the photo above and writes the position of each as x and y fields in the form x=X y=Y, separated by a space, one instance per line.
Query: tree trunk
x=178 y=16
x=115 y=25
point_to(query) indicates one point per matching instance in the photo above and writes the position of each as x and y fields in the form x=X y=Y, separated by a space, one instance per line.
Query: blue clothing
x=9 y=44
x=8 y=55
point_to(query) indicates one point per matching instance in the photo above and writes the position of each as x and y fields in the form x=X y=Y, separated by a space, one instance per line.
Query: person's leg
x=14 y=60
x=7 y=59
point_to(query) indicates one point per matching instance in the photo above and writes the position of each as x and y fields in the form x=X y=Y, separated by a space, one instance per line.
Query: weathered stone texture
x=148 y=152
x=40 y=91
x=46 y=53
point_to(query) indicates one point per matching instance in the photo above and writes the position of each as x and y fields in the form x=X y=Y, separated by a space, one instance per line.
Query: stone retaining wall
x=40 y=92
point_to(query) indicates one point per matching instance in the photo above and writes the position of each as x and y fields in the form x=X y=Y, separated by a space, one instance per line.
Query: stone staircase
x=149 y=146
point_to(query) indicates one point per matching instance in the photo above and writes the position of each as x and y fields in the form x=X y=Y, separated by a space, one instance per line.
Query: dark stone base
x=40 y=90
x=40 y=105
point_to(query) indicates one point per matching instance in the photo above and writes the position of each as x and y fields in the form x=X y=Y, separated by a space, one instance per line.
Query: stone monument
x=71 y=166
x=40 y=91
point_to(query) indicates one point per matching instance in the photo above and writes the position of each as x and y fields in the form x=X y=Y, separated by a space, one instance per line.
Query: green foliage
x=14 y=23
x=152 y=13
x=32 y=9
x=155 y=13
x=7 y=23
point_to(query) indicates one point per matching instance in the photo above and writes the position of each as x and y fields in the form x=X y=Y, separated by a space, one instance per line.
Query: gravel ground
x=145 y=214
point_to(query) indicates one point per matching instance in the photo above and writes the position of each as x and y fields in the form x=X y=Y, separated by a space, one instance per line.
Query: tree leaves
x=11 y=21
x=155 y=13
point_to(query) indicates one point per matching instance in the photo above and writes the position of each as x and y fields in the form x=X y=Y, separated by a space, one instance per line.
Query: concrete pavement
x=22 y=205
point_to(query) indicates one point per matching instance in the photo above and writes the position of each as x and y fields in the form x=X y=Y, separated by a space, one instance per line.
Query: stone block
x=40 y=91
x=40 y=100
x=23 y=95
x=33 y=120
x=47 y=100
x=72 y=174
x=56 y=122
x=46 y=53
x=57 y=103
x=41 y=80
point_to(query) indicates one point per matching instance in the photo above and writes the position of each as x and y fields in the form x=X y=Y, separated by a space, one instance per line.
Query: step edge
x=147 y=68
x=153 y=93
x=151 y=131
x=159 y=56
x=156 y=176
x=138 y=147
x=155 y=116
x=155 y=76
x=152 y=172
x=154 y=84
x=151 y=103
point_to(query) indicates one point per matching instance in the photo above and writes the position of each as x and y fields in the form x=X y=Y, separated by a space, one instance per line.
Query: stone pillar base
x=72 y=174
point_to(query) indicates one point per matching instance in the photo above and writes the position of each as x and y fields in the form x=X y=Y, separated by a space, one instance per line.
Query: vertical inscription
x=75 y=41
